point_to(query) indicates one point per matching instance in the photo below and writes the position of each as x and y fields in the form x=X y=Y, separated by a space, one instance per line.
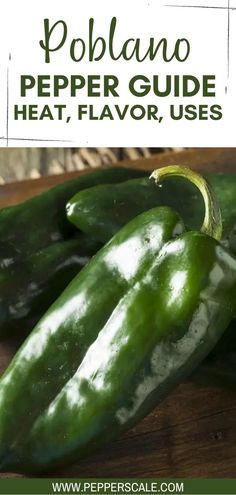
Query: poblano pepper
x=41 y=221
x=102 y=211
x=136 y=320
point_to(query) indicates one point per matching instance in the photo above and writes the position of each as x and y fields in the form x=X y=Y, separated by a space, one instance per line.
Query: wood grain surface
x=193 y=432
x=210 y=159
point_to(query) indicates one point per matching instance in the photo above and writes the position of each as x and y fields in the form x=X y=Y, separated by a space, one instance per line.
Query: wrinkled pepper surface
x=134 y=322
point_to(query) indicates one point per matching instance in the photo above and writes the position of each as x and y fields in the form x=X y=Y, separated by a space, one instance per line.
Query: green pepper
x=133 y=323
x=39 y=254
x=102 y=211
x=30 y=285
x=41 y=221
x=56 y=347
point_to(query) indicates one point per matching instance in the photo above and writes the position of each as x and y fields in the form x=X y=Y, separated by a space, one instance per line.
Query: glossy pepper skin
x=102 y=211
x=138 y=319
x=41 y=221
x=158 y=332
x=55 y=349
x=29 y=286
x=99 y=403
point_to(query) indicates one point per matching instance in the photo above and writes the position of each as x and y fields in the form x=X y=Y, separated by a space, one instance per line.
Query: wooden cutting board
x=193 y=432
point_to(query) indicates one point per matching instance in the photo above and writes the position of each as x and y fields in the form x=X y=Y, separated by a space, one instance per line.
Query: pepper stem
x=212 y=224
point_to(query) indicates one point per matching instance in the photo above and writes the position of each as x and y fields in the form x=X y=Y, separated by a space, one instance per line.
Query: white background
x=21 y=28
